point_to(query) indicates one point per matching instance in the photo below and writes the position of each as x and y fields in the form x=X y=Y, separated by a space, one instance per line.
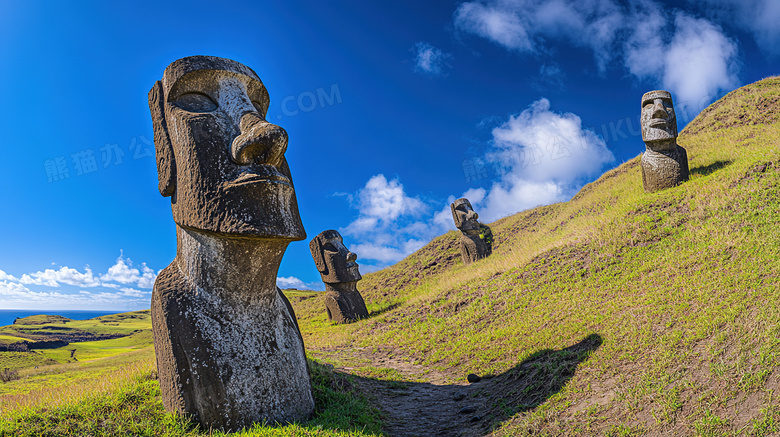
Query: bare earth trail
x=421 y=401
x=425 y=407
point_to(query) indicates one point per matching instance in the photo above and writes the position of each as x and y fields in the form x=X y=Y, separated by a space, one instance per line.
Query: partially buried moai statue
x=664 y=163
x=476 y=240
x=340 y=274
x=229 y=351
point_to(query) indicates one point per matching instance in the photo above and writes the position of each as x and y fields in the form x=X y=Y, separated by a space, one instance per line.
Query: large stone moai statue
x=476 y=240
x=664 y=163
x=229 y=351
x=340 y=274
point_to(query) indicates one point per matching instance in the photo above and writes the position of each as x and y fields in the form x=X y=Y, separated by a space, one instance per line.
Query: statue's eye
x=196 y=102
x=330 y=247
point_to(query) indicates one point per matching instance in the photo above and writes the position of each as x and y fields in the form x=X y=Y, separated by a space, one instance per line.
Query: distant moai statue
x=476 y=240
x=340 y=273
x=664 y=163
x=228 y=347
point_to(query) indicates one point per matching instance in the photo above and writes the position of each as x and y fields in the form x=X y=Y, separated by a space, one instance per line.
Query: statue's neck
x=341 y=287
x=234 y=269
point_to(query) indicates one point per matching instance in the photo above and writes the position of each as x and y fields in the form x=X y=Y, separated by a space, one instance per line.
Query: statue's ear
x=166 y=164
x=315 y=246
x=454 y=216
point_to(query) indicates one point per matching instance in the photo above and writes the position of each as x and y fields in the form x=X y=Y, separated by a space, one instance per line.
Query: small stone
x=467 y=409
x=472 y=378
x=459 y=396
x=475 y=419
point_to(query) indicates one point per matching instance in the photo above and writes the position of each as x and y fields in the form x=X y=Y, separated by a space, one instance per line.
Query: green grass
x=135 y=409
x=90 y=350
x=23 y=360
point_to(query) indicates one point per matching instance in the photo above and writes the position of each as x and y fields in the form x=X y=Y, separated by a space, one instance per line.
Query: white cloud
x=380 y=203
x=498 y=24
x=65 y=275
x=383 y=254
x=382 y=229
x=123 y=273
x=5 y=276
x=543 y=156
x=691 y=57
x=133 y=292
x=14 y=292
x=760 y=17
x=429 y=59
x=293 y=282
x=700 y=61
x=695 y=63
x=523 y=25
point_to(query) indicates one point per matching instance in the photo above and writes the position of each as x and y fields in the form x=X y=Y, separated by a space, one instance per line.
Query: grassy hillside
x=618 y=313
x=680 y=286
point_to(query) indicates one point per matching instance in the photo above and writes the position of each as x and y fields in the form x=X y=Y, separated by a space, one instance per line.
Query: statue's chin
x=652 y=135
x=269 y=211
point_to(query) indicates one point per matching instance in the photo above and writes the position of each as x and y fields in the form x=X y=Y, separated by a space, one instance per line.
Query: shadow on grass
x=412 y=408
x=709 y=169
x=383 y=310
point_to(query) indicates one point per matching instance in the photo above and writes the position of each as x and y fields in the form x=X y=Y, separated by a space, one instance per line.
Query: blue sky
x=393 y=109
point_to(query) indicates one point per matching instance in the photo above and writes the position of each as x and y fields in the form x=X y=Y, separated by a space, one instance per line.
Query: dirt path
x=426 y=402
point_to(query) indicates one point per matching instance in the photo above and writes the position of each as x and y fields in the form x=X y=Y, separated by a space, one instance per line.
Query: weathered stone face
x=228 y=347
x=334 y=261
x=464 y=216
x=339 y=272
x=659 y=122
x=476 y=242
x=222 y=164
x=664 y=163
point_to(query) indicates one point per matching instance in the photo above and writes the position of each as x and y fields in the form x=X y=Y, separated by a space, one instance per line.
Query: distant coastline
x=7 y=316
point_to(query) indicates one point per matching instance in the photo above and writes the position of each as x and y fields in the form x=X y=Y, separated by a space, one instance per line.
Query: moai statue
x=340 y=274
x=664 y=163
x=476 y=240
x=229 y=351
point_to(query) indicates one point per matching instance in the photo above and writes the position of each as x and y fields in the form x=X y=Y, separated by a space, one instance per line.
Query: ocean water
x=7 y=316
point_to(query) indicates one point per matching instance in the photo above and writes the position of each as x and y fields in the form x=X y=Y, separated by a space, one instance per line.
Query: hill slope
x=618 y=312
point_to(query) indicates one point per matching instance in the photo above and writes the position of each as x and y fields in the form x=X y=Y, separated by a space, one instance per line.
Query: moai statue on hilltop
x=476 y=240
x=340 y=274
x=664 y=163
x=229 y=351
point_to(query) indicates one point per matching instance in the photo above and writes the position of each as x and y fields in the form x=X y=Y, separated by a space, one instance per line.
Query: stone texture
x=340 y=273
x=664 y=163
x=476 y=240
x=229 y=351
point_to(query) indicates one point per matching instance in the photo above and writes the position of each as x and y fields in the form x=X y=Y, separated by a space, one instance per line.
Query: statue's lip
x=260 y=174
x=657 y=122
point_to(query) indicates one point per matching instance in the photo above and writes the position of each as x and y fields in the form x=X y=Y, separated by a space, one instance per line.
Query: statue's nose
x=658 y=109
x=351 y=257
x=259 y=142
